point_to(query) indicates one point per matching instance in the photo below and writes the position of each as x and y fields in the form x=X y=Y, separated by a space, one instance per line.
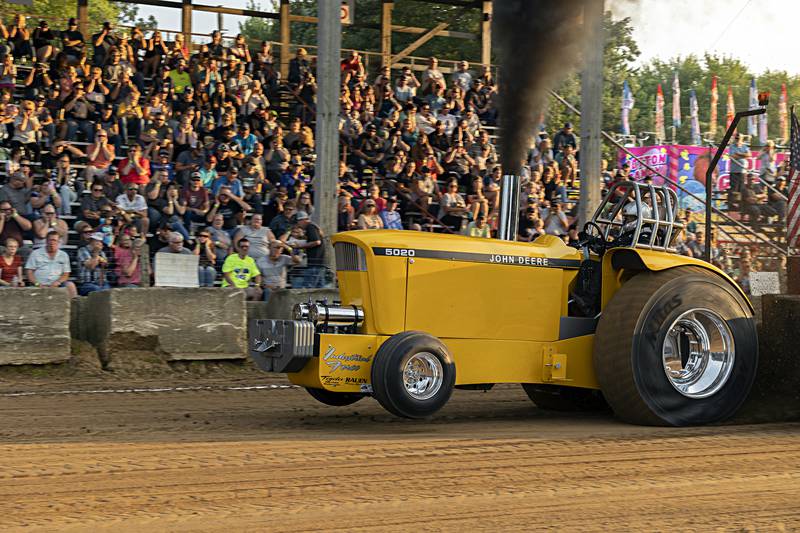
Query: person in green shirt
x=479 y=228
x=240 y=269
x=180 y=77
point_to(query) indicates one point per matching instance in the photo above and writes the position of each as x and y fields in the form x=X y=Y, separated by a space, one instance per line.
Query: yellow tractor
x=620 y=318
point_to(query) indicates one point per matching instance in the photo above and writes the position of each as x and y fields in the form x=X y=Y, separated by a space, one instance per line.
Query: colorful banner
x=694 y=113
x=686 y=165
x=659 y=127
x=712 y=121
x=676 y=102
x=783 y=114
x=730 y=112
x=752 y=125
x=627 y=105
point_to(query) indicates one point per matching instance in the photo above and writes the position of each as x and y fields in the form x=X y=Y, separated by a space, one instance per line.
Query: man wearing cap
x=197 y=201
x=462 y=77
x=189 y=161
x=274 y=267
x=17 y=192
x=230 y=180
x=230 y=207
x=49 y=266
x=72 y=41
x=563 y=138
x=239 y=270
x=315 y=252
x=92 y=265
x=180 y=77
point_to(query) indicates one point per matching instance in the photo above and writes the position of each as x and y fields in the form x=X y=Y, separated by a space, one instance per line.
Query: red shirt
x=9 y=271
x=132 y=176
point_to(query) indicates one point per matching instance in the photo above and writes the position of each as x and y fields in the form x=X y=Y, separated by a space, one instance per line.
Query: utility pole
x=591 y=109
x=326 y=173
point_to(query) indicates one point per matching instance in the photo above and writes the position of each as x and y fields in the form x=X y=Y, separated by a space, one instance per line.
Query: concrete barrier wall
x=34 y=326
x=176 y=323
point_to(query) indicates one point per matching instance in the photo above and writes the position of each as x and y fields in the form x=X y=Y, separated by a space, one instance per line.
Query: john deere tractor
x=620 y=318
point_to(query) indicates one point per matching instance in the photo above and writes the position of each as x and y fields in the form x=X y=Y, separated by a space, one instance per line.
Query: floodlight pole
x=710 y=172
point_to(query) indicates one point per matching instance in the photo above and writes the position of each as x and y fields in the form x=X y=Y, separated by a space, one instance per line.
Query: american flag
x=793 y=215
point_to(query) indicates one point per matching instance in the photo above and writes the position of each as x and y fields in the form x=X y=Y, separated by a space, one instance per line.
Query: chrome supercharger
x=287 y=345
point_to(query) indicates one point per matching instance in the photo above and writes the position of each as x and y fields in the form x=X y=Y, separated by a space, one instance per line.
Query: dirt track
x=274 y=459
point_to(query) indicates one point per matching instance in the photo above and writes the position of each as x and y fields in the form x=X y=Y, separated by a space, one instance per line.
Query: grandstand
x=420 y=135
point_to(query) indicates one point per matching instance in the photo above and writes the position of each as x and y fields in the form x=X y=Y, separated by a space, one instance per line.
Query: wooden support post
x=83 y=18
x=486 y=33
x=424 y=38
x=329 y=41
x=386 y=32
x=186 y=23
x=591 y=110
x=286 y=37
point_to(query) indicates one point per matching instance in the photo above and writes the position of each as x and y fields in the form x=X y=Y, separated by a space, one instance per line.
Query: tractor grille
x=349 y=257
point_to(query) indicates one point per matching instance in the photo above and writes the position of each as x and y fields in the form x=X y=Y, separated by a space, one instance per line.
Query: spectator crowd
x=119 y=146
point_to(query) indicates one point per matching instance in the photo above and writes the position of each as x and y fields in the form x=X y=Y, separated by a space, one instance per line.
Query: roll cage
x=654 y=232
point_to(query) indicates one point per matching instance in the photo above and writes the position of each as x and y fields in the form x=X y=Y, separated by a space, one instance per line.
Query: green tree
x=58 y=11
x=364 y=35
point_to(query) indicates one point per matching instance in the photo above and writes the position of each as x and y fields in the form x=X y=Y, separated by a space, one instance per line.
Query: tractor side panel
x=460 y=299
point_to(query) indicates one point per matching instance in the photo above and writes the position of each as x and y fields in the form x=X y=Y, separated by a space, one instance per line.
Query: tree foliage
x=621 y=55
x=56 y=12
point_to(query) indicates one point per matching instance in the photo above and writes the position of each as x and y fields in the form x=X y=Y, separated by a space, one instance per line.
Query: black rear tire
x=629 y=344
x=565 y=399
x=335 y=399
x=389 y=364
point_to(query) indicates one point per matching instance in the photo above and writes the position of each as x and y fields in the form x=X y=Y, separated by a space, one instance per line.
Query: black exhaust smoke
x=538 y=44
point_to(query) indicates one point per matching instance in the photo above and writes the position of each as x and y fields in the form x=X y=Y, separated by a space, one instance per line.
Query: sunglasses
x=97 y=190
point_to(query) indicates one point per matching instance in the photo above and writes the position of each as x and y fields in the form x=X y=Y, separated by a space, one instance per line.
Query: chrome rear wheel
x=698 y=353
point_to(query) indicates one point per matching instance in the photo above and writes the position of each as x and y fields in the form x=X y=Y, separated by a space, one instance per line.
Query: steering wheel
x=592 y=237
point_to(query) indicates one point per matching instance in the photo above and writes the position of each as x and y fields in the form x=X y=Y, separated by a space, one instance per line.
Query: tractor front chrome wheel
x=423 y=375
x=698 y=353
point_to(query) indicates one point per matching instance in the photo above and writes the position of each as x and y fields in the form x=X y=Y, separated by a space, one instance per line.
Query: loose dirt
x=211 y=457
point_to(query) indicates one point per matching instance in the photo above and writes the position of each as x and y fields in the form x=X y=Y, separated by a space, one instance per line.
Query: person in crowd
x=49 y=221
x=12 y=224
x=274 y=267
x=739 y=154
x=11 y=265
x=241 y=272
x=49 y=267
x=390 y=217
x=478 y=228
x=223 y=244
x=258 y=235
x=127 y=262
x=565 y=137
x=92 y=266
x=369 y=218
x=133 y=207
x=204 y=250
x=315 y=252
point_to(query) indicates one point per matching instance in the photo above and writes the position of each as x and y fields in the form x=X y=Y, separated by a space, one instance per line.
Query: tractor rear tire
x=676 y=348
x=335 y=399
x=565 y=399
x=413 y=375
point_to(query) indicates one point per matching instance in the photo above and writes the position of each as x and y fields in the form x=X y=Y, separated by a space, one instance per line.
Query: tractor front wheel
x=413 y=374
x=677 y=347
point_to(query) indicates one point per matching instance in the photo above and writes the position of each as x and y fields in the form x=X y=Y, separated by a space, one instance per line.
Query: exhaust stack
x=509 y=208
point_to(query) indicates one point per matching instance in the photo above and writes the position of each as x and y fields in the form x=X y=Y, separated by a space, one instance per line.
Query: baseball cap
x=175 y=237
x=96 y=237
x=301 y=215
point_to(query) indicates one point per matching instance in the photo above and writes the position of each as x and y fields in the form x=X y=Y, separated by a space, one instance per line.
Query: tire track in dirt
x=209 y=459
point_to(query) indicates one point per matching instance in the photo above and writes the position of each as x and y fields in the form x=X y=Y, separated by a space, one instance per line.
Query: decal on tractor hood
x=500 y=259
